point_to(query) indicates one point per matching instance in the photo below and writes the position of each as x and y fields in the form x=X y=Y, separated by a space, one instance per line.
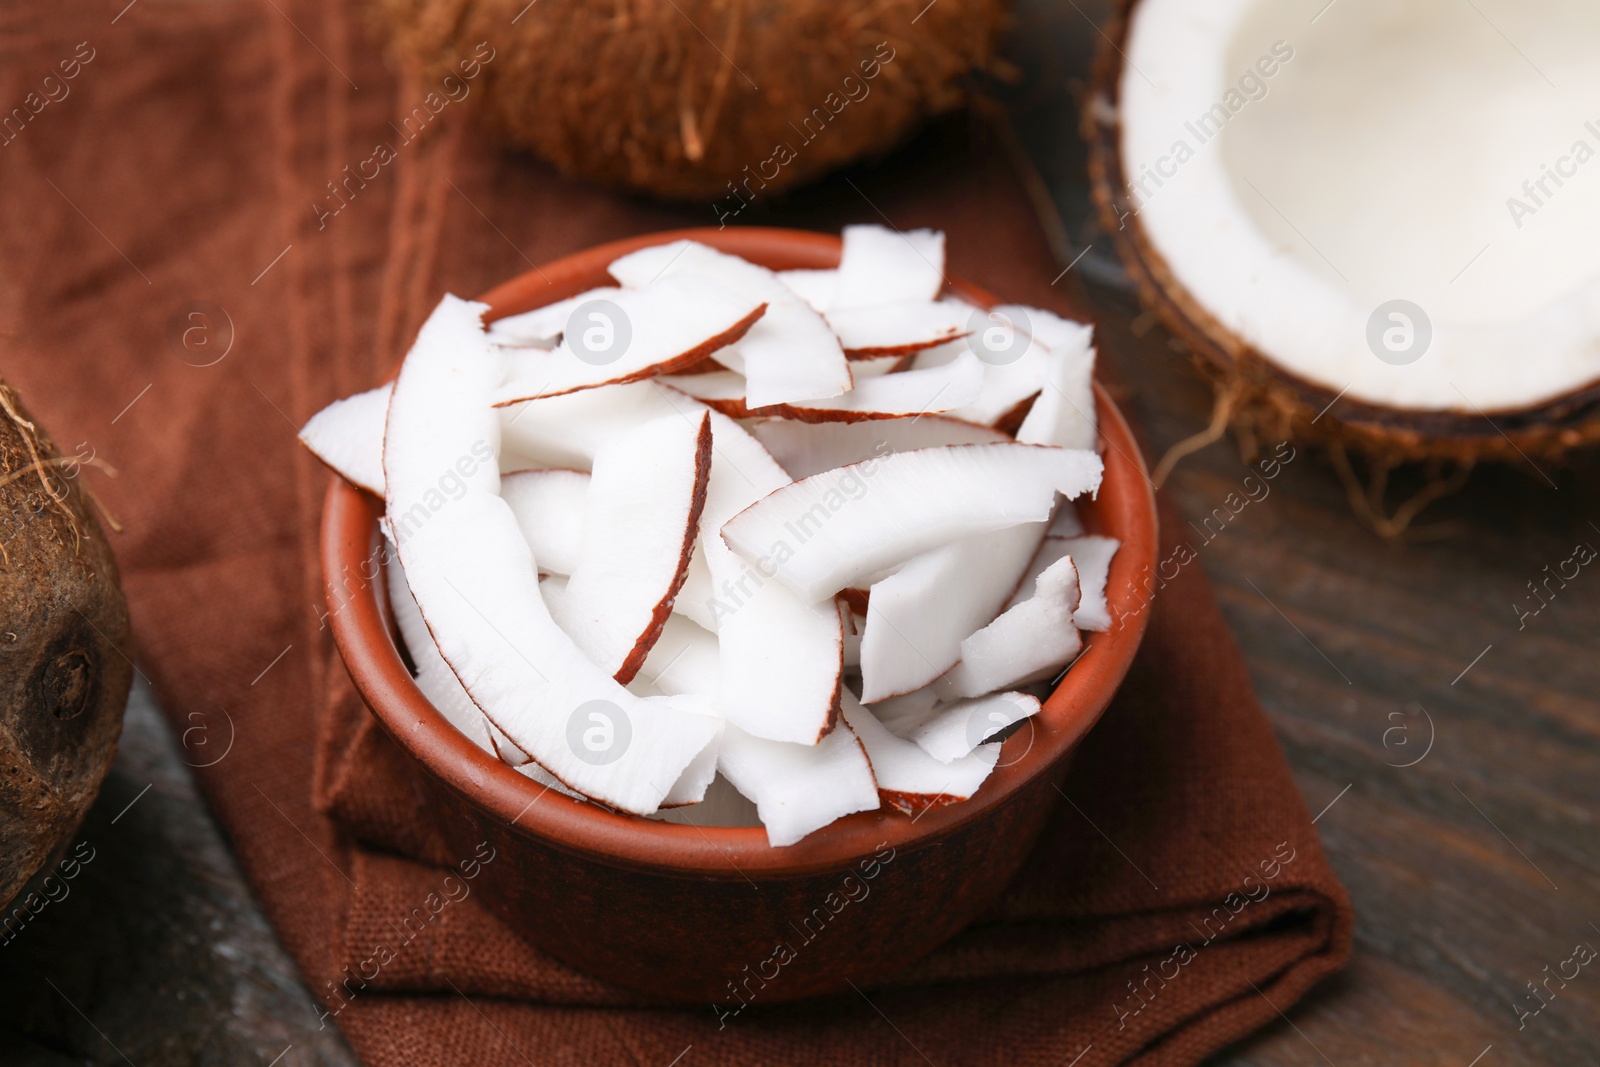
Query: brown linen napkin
x=184 y=170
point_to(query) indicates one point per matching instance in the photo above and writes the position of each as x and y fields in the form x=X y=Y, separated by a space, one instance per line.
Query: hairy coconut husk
x=692 y=99
x=63 y=681
x=1264 y=401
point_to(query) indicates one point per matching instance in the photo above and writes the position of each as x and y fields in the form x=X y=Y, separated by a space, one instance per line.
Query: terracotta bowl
x=705 y=915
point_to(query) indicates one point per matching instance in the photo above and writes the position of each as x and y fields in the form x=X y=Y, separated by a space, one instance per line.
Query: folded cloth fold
x=195 y=273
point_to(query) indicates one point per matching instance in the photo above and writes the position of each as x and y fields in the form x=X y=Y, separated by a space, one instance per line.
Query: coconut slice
x=685 y=660
x=347 y=435
x=567 y=431
x=532 y=770
x=782 y=657
x=691 y=786
x=909 y=779
x=722 y=805
x=798 y=788
x=1028 y=643
x=476 y=585
x=1002 y=389
x=815 y=287
x=955 y=730
x=899 y=328
x=544 y=327
x=918 y=616
x=903 y=714
x=894 y=396
x=790 y=356
x=696 y=600
x=671 y=324
x=508 y=751
x=823 y=533
x=878 y=366
x=881 y=266
x=721 y=391
x=1092 y=556
x=805 y=448
x=548 y=505
x=888 y=396
x=1064 y=414
x=434 y=677
x=640 y=521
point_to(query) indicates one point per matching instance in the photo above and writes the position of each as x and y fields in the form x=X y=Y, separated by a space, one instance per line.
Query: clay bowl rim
x=360 y=623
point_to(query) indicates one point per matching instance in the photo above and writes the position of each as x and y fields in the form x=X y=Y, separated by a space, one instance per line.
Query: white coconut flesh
x=824 y=533
x=918 y=616
x=544 y=327
x=548 y=505
x=792 y=356
x=1028 y=643
x=476 y=583
x=641 y=520
x=908 y=778
x=1298 y=166
x=608 y=583
x=347 y=435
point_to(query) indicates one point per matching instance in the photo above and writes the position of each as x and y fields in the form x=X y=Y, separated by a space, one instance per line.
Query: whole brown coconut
x=720 y=100
x=63 y=680
x=1260 y=399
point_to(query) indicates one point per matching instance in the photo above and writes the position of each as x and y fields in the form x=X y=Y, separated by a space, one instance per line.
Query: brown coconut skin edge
x=1268 y=401
x=63 y=681
x=691 y=100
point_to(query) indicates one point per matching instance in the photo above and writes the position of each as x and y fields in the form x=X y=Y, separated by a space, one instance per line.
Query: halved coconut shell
x=1261 y=396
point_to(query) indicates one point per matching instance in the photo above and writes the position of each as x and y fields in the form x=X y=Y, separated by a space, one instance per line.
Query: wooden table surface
x=1456 y=751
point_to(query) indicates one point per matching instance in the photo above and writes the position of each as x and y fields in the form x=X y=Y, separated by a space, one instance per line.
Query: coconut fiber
x=191 y=272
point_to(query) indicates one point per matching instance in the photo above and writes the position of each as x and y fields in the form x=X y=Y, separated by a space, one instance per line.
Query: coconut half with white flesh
x=1375 y=230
